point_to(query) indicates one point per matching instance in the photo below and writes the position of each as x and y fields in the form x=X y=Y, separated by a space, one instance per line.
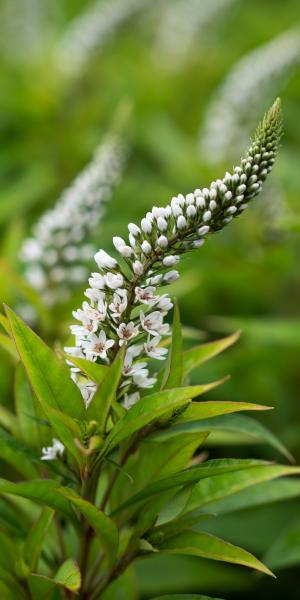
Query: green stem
x=121 y=566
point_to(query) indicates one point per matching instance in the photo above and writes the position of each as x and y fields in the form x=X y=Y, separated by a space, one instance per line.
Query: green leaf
x=67 y=430
x=8 y=346
x=5 y=323
x=208 y=546
x=150 y=408
x=12 y=518
x=68 y=576
x=9 y=587
x=209 y=490
x=49 y=378
x=17 y=455
x=42 y=491
x=190 y=476
x=8 y=420
x=93 y=370
x=175 y=526
x=197 y=356
x=285 y=550
x=8 y=553
x=168 y=459
x=204 y=410
x=173 y=373
x=247 y=426
x=99 y=407
x=104 y=527
x=256 y=495
x=34 y=542
x=26 y=409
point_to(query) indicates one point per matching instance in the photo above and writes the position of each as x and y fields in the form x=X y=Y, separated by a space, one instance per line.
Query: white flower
x=121 y=246
x=152 y=349
x=74 y=350
x=130 y=400
x=162 y=224
x=206 y=216
x=97 y=345
x=134 y=229
x=132 y=369
x=114 y=280
x=176 y=210
x=118 y=304
x=85 y=316
x=80 y=332
x=137 y=267
x=142 y=380
x=146 y=225
x=155 y=280
x=170 y=261
x=94 y=295
x=198 y=243
x=181 y=222
x=164 y=304
x=190 y=199
x=97 y=281
x=118 y=242
x=146 y=247
x=203 y=230
x=163 y=241
x=104 y=260
x=87 y=391
x=171 y=276
x=153 y=323
x=145 y=295
x=90 y=317
x=54 y=451
x=127 y=331
x=191 y=211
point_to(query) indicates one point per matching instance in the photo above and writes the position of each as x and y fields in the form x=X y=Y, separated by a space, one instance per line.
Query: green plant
x=123 y=479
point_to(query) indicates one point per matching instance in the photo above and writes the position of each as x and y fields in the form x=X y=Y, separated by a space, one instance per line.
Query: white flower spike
x=135 y=313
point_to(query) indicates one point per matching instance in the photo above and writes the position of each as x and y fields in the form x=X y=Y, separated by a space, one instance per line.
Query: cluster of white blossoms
x=53 y=452
x=55 y=258
x=123 y=303
x=240 y=98
x=90 y=30
x=181 y=23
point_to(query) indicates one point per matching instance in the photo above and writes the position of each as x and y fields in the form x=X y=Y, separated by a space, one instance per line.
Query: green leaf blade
x=195 y=357
x=49 y=378
x=173 y=374
x=208 y=546
x=104 y=527
x=99 y=407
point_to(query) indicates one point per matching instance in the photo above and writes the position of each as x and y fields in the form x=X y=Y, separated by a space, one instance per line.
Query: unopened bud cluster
x=123 y=303
x=55 y=258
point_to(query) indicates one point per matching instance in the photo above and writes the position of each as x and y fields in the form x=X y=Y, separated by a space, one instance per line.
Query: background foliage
x=246 y=277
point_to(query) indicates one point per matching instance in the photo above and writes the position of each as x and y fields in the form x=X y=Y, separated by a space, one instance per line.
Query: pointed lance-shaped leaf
x=173 y=373
x=49 y=377
x=195 y=357
x=104 y=527
x=208 y=546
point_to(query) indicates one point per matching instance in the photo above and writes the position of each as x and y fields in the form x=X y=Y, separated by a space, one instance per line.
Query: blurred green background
x=246 y=277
